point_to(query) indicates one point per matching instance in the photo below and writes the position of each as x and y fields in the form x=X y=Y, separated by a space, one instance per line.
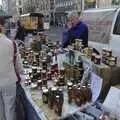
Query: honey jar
x=104 y=50
x=70 y=95
x=45 y=96
x=52 y=95
x=34 y=70
x=74 y=89
x=79 y=97
x=69 y=84
x=43 y=74
x=97 y=60
x=93 y=57
x=112 y=61
x=108 y=52
x=44 y=82
x=44 y=64
x=62 y=71
x=39 y=83
x=49 y=76
x=56 y=82
x=61 y=81
x=57 y=106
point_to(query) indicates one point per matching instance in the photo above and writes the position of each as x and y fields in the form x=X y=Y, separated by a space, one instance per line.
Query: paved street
x=55 y=33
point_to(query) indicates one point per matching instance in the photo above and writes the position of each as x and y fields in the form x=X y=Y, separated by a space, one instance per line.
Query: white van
x=104 y=28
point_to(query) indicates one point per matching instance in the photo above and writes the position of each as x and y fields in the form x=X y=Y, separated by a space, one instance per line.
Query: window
x=117 y=26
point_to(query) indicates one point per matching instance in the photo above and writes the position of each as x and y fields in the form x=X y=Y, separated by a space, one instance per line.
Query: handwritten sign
x=96 y=85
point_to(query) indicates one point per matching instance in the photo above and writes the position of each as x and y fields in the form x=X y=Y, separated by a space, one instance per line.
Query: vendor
x=77 y=30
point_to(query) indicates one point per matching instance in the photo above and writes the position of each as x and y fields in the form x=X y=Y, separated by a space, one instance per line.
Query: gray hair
x=72 y=14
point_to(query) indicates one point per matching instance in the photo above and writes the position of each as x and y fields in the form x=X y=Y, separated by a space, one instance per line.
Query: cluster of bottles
x=54 y=98
x=80 y=94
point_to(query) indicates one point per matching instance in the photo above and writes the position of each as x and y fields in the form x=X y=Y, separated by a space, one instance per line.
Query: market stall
x=60 y=82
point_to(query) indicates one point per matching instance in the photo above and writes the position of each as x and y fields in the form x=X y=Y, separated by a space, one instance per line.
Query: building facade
x=63 y=7
x=9 y=6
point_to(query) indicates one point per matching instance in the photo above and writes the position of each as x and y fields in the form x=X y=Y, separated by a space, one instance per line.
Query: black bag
x=20 y=108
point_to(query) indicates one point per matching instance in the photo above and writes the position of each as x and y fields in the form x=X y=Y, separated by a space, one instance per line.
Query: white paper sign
x=46 y=25
x=112 y=101
x=96 y=86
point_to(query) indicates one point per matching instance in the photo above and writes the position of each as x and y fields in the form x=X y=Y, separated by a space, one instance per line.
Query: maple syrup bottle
x=70 y=95
x=45 y=96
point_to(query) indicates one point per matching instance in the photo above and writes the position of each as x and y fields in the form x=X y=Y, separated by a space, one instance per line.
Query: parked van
x=104 y=28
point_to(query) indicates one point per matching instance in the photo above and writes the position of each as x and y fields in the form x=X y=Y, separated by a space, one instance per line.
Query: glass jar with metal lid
x=112 y=61
x=79 y=99
x=39 y=83
x=43 y=74
x=34 y=70
x=70 y=95
x=44 y=82
x=69 y=84
x=108 y=52
x=58 y=106
x=74 y=90
x=97 y=59
x=93 y=57
x=52 y=95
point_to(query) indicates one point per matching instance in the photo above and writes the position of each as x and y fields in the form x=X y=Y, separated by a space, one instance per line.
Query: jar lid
x=69 y=83
x=39 y=81
x=25 y=61
x=33 y=85
x=62 y=68
x=98 y=56
x=43 y=71
x=74 y=85
x=112 y=58
x=54 y=88
x=34 y=67
x=93 y=54
x=45 y=90
x=57 y=96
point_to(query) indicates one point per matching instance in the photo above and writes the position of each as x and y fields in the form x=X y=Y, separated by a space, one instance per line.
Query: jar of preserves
x=34 y=70
x=56 y=82
x=52 y=95
x=79 y=99
x=74 y=90
x=69 y=84
x=61 y=81
x=44 y=82
x=49 y=76
x=62 y=71
x=45 y=96
x=58 y=106
x=104 y=50
x=108 y=52
x=93 y=57
x=39 y=82
x=44 y=64
x=43 y=74
x=112 y=61
x=70 y=95
x=97 y=60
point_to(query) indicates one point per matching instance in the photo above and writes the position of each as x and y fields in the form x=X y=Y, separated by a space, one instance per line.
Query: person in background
x=8 y=76
x=77 y=30
x=20 y=34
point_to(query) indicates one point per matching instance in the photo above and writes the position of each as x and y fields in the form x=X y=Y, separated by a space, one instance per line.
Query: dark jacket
x=20 y=33
x=80 y=31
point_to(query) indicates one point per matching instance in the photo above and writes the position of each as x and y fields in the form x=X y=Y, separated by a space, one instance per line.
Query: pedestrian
x=8 y=76
x=20 y=34
x=77 y=30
